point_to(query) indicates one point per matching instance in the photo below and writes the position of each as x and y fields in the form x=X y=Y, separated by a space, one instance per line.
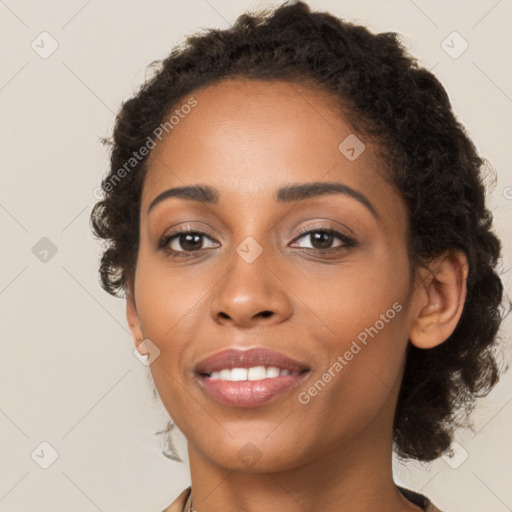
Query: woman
x=297 y=222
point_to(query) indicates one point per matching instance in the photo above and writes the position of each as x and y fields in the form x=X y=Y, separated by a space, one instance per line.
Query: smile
x=248 y=378
x=253 y=373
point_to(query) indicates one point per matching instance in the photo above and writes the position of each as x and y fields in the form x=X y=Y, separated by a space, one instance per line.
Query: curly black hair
x=430 y=160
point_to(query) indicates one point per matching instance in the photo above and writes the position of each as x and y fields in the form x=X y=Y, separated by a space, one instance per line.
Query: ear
x=441 y=298
x=133 y=320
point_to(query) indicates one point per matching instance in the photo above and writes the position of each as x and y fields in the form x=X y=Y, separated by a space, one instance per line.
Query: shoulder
x=179 y=503
x=418 y=499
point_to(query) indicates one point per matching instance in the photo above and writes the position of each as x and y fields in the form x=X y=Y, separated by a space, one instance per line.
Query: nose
x=250 y=294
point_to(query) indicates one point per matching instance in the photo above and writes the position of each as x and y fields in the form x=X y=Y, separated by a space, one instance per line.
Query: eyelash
x=348 y=242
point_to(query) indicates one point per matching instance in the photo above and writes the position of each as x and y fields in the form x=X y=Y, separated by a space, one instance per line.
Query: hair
x=430 y=160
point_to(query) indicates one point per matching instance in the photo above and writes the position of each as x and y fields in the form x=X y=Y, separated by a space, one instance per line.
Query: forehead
x=249 y=137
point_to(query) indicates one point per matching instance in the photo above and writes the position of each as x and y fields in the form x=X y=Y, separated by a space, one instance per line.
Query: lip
x=248 y=393
x=238 y=358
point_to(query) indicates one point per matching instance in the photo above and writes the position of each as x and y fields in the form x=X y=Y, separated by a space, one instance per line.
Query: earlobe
x=443 y=294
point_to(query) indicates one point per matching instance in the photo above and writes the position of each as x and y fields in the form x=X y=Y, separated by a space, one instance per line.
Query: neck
x=355 y=476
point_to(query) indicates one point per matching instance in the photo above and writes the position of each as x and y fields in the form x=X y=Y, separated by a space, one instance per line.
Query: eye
x=189 y=242
x=322 y=238
x=185 y=242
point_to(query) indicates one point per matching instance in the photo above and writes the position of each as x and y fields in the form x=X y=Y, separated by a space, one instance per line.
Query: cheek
x=171 y=311
x=166 y=297
x=346 y=299
x=360 y=317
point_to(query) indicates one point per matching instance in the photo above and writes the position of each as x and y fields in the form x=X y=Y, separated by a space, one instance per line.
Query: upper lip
x=247 y=358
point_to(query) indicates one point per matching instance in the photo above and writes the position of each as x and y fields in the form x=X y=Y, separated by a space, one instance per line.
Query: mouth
x=248 y=378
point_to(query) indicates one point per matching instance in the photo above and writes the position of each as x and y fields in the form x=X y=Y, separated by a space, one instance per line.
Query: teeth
x=224 y=374
x=238 y=374
x=272 y=372
x=257 y=373
x=253 y=373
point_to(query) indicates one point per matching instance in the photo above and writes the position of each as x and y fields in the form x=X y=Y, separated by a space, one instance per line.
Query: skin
x=247 y=139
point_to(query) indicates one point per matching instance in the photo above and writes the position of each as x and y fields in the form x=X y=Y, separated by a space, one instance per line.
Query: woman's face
x=256 y=280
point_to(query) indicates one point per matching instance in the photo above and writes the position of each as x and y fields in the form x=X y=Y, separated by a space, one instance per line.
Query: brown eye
x=322 y=240
x=185 y=241
x=189 y=241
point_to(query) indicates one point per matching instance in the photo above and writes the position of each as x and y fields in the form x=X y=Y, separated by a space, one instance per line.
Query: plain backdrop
x=68 y=377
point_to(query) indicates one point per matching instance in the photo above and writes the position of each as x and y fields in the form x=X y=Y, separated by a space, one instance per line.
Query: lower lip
x=249 y=393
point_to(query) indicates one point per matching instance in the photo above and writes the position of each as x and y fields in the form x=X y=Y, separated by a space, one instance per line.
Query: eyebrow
x=286 y=194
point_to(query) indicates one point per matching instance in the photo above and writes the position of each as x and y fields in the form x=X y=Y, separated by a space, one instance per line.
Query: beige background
x=67 y=373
